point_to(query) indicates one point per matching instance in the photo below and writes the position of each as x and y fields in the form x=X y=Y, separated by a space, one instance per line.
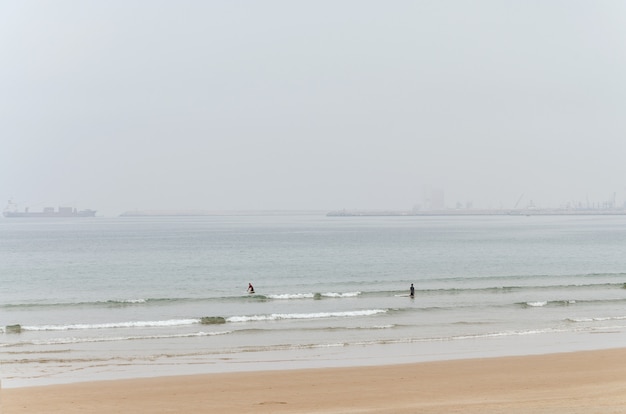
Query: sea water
x=101 y=298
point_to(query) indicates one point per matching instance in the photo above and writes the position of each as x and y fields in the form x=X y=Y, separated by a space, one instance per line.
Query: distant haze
x=248 y=105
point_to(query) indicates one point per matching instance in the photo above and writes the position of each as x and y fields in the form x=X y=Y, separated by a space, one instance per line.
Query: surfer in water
x=250 y=288
x=412 y=291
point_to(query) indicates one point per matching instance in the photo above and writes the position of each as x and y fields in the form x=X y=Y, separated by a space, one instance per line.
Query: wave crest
x=318 y=315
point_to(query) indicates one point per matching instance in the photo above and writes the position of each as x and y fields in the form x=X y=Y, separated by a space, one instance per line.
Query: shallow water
x=100 y=298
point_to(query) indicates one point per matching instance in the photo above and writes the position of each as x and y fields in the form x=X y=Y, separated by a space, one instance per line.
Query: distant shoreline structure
x=380 y=213
x=479 y=212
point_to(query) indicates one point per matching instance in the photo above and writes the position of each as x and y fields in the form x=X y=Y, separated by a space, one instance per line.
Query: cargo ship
x=11 y=211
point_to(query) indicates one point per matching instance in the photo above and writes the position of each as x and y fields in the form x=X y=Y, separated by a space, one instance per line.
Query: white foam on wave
x=130 y=301
x=537 y=304
x=317 y=315
x=112 y=325
x=341 y=295
x=314 y=295
x=292 y=296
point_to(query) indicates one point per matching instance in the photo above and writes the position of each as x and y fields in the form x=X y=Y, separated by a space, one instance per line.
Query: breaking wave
x=205 y=320
x=317 y=315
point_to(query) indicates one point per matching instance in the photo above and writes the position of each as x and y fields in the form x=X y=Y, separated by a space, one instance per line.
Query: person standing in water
x=412 y=291
x=250 y=288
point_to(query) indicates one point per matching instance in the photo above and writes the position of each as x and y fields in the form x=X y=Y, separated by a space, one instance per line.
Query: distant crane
x=518 y=200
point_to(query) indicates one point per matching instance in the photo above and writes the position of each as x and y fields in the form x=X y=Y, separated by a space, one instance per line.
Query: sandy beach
x=579 y=382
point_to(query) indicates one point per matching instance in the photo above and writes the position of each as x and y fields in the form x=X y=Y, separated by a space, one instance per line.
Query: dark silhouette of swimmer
x=250 y=288
x=412 y=291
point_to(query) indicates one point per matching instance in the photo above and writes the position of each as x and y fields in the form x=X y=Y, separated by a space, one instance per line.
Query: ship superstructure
x=11 y=211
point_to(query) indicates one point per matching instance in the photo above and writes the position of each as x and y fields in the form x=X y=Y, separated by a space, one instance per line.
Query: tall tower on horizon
x=434 y=199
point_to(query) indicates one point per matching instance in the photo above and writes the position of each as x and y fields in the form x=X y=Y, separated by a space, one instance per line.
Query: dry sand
x=580 y=382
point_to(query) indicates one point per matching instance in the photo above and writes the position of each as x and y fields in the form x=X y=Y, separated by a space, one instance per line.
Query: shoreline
x=572 y=382
x=331 y=356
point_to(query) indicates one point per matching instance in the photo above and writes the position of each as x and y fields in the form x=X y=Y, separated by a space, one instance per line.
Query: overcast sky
x=220 y=105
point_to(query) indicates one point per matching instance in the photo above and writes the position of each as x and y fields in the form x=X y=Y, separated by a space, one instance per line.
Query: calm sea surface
x=99 y=298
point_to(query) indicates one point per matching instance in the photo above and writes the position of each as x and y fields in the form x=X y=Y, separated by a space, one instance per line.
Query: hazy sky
x=214 y=105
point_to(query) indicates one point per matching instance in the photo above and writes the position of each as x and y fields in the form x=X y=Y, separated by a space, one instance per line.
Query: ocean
x=105 y=298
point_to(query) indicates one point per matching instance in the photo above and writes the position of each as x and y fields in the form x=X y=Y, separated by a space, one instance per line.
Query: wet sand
x=579 y=382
